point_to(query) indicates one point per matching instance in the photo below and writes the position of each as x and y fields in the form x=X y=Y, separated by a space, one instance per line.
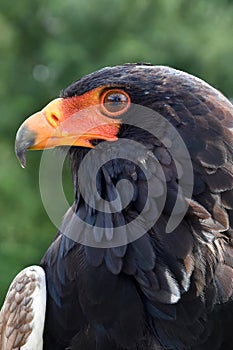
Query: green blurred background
x=45 y=45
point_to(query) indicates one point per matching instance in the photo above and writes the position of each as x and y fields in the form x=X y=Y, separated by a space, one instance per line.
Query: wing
x=23 y=313
x=192 y=279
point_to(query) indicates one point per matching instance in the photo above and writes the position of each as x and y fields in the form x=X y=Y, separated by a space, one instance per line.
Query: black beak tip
x=21 y=155
x=25 y=138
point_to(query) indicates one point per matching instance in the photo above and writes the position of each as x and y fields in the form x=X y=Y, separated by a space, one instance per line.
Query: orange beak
x=71 y=121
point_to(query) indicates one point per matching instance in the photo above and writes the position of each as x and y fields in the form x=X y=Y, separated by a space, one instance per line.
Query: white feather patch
x=23 y=313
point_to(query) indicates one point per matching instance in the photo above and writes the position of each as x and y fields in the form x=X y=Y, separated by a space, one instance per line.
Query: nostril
x=53 y=119
x=53 y=112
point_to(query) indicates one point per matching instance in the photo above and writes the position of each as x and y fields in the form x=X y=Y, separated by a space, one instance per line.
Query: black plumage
x=163 y=290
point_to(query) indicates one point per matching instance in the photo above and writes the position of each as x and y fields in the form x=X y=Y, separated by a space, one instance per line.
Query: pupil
x=115 y=98
x=116 y=102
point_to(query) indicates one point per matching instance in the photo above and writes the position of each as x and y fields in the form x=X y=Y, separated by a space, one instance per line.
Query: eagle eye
x=115 y=102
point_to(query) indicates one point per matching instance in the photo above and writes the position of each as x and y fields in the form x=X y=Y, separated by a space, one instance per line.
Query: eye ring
x=114 y=102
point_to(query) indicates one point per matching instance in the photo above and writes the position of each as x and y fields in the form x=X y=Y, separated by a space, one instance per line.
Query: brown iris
x=115 y=102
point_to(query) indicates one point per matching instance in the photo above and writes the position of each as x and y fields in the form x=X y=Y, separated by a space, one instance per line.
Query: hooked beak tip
x=21 y=155
x=25 y=138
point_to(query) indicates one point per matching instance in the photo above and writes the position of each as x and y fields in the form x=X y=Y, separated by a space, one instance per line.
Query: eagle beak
x=65 y=122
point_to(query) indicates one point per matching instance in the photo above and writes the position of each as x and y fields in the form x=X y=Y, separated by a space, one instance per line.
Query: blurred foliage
x=45 y=45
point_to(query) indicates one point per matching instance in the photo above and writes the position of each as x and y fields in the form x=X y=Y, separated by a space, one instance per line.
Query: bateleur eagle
x=112 y=282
